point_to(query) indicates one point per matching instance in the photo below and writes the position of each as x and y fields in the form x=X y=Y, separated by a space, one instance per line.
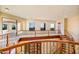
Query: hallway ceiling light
x=6 y=9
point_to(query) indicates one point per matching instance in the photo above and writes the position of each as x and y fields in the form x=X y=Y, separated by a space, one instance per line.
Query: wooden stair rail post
x=7 y=41
x=48 y=32
x=0 y=37
x=61 y=44
x=16 y=28
x=22 y=42
x=70 y=37
x=35 y=33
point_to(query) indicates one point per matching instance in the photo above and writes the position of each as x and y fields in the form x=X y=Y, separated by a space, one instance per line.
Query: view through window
x=52 y=26
x=31 y=26
x=43 y=26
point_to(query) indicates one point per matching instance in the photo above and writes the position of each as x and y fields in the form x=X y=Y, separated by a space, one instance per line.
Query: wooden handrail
x=58 y=49
x=34 y=30
x=69 y=35
x=33 y=41
x=29 y=31
x=37 y=38
x=28 y=40
x=48 y=31
x=4 y=34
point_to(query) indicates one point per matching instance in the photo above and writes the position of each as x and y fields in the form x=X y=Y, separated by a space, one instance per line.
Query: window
x=52 y=26
x=43 y=26
x=31 y=26
x=14 y=27
x=4 y=27
x=9 y=24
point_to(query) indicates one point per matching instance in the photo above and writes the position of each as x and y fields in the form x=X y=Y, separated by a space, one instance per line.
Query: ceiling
x=51 y=12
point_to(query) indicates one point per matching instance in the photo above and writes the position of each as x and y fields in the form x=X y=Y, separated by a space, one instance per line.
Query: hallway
x=38 y=23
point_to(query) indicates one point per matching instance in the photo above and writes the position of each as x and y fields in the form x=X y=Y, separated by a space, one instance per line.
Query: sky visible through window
x=52 y=25
x=31 y=25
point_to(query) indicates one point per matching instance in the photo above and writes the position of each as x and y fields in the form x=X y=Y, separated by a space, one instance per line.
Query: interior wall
x=0 y=24
x=38 y=24
x=12 y=17
x=65 y=25
x=61 y=26
x=48 y=22
x=50 y=12
x=73 y=27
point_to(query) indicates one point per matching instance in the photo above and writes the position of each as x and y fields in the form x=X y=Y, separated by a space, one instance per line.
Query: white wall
x=61 y=25
x=38 y=24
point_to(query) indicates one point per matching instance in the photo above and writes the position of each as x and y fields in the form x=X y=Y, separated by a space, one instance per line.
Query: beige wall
x=73 y=26
x=65 y=25
x=0 y=24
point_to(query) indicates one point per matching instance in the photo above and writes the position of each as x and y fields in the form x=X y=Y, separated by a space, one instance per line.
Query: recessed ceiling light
x=6 y=9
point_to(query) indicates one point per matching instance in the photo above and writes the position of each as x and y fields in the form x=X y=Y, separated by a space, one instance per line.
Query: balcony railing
x=11 y=37
x=48 y=43
x=44 y=46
